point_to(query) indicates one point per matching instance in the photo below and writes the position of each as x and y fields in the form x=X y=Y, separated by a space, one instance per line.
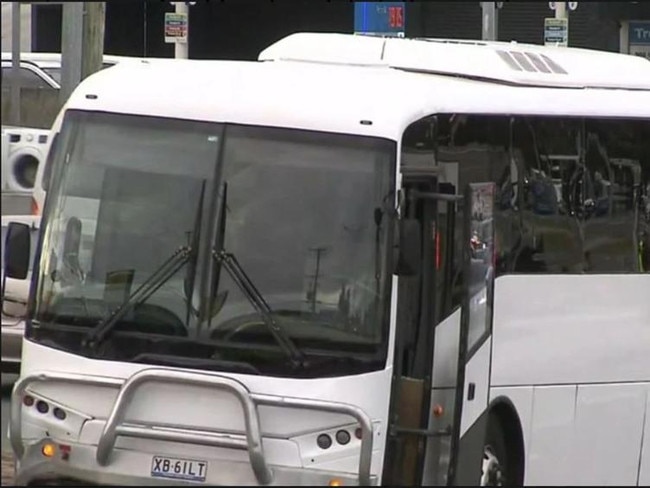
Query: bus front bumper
x=77 y=465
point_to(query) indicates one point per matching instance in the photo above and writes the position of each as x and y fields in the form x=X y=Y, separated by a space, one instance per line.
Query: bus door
x=418 y=300
x=468 y=453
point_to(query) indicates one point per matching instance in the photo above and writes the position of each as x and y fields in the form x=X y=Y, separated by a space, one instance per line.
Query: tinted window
x=54 y=73
x=616 y=172
x=28 y=78
x=572 y=192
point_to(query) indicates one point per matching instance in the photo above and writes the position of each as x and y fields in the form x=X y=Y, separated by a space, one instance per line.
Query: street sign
x=379 y=18
x=639 y=32
x=175 y=28
x=639 y=38
x=556 y=32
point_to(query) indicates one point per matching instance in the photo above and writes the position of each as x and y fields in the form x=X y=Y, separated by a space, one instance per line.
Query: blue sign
x=384 y=18
x=639 y=33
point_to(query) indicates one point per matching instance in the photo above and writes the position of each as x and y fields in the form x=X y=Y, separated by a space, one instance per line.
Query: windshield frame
x=208 y=236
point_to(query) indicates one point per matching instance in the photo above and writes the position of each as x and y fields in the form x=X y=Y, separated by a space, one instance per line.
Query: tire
x=496 y=467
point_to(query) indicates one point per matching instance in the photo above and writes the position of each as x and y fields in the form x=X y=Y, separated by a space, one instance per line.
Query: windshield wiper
x=159 y=277
x=247 y=287
x=256 y=299
x=194 y=240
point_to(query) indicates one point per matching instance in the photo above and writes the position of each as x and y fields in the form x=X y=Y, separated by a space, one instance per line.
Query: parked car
x=31 y=76
x=43 y=70
x=14 y=300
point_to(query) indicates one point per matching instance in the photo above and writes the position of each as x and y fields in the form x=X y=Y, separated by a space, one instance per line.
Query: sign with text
x=379 y=18
x=556 y=32
x=639 y=33
x=175 y=28
x=639 y=38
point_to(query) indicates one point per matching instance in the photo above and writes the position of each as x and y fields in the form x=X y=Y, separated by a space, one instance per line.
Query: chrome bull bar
x=249 y=402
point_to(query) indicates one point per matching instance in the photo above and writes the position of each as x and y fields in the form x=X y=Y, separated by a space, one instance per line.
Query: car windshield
x=302 y=217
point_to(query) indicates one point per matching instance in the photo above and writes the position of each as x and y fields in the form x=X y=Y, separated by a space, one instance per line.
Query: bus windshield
x=128 y=193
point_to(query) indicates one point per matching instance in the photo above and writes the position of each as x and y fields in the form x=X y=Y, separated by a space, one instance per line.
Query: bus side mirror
x=17 y=250
x=407 y=248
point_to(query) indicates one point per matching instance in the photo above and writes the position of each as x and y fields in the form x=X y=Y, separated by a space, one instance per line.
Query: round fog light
x=343 y=437
x=59 y=413
x=324 y=441
x=42 y=407
x=28 y=400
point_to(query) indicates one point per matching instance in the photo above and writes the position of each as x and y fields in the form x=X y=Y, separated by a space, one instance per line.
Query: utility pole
x=490 y=21
x=15 y=63
x=82 y=43
x=314 y=291
x=181 y=49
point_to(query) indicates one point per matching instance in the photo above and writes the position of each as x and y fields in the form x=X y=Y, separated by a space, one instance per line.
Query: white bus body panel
x=596 y=331
x=477 y=371
x=578 y=374
x=584 y=435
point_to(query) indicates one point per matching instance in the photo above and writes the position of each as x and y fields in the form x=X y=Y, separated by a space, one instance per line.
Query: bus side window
x=616 y=153
x=475 y=149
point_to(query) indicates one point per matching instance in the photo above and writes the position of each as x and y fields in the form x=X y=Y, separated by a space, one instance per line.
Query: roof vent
x=530 y=62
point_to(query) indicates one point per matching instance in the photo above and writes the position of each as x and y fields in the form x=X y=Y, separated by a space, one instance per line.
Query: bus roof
x=511 y=63
x=332 y=98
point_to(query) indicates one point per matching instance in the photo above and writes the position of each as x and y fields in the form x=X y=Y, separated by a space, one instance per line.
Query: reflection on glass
x=128 y=192
x=300 y=215
x=300 y=219
x=481 y=257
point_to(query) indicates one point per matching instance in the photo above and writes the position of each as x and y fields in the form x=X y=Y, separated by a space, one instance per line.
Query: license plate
x=178 y=469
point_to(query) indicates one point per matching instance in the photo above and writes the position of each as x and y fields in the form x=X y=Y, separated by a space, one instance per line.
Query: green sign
x=556 y=32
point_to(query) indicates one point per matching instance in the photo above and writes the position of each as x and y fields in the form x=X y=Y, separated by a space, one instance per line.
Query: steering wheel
x=240 y=324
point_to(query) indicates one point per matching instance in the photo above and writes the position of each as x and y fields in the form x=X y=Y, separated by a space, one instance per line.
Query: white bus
x=362 y=261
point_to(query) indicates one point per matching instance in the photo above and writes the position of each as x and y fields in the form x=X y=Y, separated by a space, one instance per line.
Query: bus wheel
x=495 y=461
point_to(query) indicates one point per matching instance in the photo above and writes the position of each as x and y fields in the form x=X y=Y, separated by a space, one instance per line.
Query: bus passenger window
x=615 y=155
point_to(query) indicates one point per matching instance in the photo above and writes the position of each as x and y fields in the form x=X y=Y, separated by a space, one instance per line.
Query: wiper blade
x=190 y=275
x=256 y=299
x=158 y=278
